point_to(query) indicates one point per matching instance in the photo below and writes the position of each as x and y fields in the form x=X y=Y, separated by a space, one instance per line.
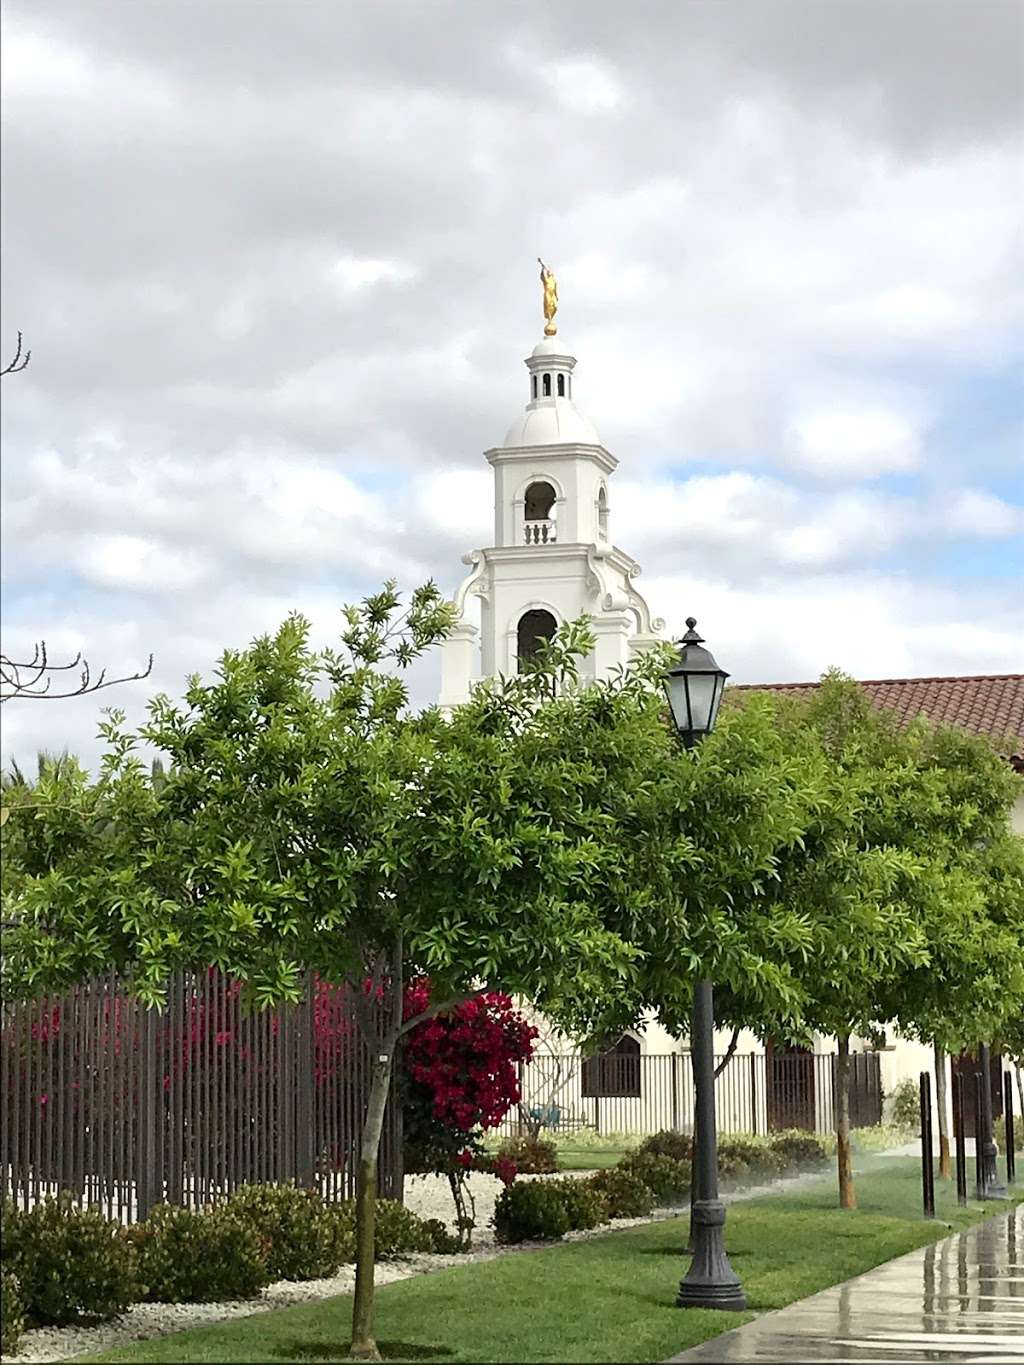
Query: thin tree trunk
x=844 y=1160
x=364 y=1347
x=945 y=1165
x=465 y=1207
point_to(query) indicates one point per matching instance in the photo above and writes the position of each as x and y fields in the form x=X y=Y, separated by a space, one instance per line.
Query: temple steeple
x=551 y=560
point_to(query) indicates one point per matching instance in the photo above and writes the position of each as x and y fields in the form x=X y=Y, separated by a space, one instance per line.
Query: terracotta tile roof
x=990 y=704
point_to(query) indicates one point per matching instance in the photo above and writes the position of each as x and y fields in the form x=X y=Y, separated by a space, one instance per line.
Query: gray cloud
x=276 y=266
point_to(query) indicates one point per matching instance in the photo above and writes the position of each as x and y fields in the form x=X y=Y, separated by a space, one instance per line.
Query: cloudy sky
x=276 y=264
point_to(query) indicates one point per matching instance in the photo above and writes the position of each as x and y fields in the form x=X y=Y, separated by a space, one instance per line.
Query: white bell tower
x=552 y=557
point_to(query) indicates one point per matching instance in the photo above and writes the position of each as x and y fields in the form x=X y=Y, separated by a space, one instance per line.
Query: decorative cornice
x=603 y=458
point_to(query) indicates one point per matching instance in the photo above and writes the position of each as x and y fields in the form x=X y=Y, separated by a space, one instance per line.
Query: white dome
x=548 y=347
x=555 y=422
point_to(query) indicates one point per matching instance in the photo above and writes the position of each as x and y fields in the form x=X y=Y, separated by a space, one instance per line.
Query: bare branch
x=19 y=362
x=728 y=1052
x=32 y=678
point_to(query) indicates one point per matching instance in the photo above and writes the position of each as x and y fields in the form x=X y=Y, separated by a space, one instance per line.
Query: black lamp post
x=694 y=687
x=990 y=1186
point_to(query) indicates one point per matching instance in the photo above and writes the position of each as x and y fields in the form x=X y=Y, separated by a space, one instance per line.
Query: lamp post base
x=991 y=1186
x=711 y=1281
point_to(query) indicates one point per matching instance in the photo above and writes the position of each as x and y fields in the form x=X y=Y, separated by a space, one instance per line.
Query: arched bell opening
x=539 y=500
x=535 y=628
x=602 y=513
x=538 y=504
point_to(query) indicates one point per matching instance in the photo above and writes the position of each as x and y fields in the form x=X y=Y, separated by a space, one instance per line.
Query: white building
x=552 y=558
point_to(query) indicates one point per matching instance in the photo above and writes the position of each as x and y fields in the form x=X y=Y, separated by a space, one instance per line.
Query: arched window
x=561 y=386
x=613 y=1073
x=602 y=513
x=535 y=627
x=533 y=385
x=539 y=500
x=547 y=386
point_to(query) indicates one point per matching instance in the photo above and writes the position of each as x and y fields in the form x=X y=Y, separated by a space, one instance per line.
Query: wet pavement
x=961 y=1299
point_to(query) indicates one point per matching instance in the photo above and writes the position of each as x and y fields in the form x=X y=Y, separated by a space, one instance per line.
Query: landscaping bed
x=603 y=1297
x=76 y=1273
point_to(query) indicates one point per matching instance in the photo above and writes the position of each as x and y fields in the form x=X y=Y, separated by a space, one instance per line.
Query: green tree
x=971 y=989
x=909 y=872
x=307 y=821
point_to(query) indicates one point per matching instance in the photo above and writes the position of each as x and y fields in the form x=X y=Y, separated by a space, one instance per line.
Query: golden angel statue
x=547 y=279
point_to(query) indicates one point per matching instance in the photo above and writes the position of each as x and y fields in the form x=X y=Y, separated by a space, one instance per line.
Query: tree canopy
x=828 y=870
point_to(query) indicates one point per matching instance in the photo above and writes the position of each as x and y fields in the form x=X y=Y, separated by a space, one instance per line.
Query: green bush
x=531 y=1210
x=679 y=1146
x=626 y=1195
x=12 y=1314
x=532 y=1155
x=876 y=1138
x=190 y=1257
x=762 y=1161
x=668 y=1179
x=72 y=1264
x=443 y=1240
x=397 y=1231
x=801 y=1150
x=905 y=1105
x=585 y=1207
x=733 y=1170
x=303 y=1240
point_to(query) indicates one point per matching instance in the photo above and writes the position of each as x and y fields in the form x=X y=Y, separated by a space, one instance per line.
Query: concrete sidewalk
x=961 y=1299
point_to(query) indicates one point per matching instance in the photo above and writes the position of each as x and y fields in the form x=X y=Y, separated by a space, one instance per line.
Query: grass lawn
x=608 y=1299
x=588 y=1158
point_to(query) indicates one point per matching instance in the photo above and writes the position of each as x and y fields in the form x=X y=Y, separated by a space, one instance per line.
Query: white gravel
x=427 y=1196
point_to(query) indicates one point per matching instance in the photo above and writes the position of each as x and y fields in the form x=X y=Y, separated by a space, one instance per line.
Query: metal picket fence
x=642 y=1094
x=126 y=1107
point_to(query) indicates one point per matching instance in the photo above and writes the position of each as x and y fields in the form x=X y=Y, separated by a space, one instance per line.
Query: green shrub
x=532 y=1156
x=679 y=1146
x=625 y=1194
x=303 y=1240
x=732 y=1169
x=443 y=1241
x=762 y=1161
x=905 y=1105
x=12 y=1313
x=397 y=1231
x=72 y=1264
x=668 y=1179
x=190 y=1257
x=876 y=1138
x=531 y=1210
x=801 y=1150
x=585 y=1207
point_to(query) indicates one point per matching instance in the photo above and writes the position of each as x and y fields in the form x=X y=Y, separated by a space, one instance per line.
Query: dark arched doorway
x=535 y=627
